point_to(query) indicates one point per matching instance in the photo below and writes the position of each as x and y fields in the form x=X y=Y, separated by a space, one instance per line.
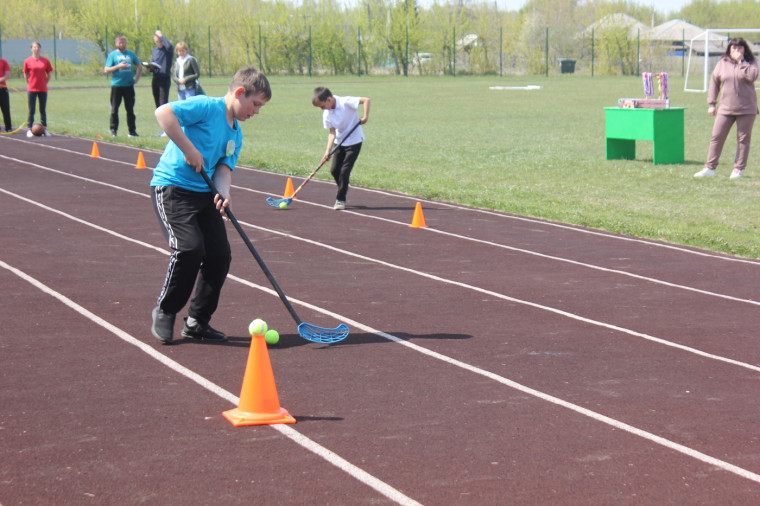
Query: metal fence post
x=55 y=56
x=501 y=50
x=546 y=57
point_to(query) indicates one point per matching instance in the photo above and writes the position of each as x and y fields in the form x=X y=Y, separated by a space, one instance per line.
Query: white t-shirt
x=343 y=118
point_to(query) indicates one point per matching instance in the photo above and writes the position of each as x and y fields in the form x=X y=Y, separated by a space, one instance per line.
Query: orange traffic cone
x=259 y=404
x=140 y=161
x=418 y=221
x=288 y=189
x=95 y=151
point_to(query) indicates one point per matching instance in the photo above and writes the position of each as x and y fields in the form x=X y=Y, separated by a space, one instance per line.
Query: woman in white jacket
x=186 y=73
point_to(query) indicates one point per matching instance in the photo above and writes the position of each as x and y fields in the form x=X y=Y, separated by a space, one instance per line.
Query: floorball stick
x=273 y=202
x=306 y=330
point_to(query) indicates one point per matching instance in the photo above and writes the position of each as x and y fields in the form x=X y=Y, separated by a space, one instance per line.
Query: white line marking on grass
x=527 y=87
x=289 y=432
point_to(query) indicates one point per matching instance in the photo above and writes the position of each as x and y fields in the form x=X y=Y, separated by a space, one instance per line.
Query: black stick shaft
x=332 y=152
x=255 y=253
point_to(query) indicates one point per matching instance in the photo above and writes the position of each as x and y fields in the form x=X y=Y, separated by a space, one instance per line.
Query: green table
x=664 y=127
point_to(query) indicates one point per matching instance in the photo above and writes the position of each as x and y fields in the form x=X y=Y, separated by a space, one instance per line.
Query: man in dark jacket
x=162 y=57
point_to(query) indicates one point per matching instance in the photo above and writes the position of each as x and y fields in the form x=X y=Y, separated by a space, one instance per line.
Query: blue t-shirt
x=204 y=121
x=123 y=77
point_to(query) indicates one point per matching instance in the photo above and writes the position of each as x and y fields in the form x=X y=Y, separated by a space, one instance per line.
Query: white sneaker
x=736 y=174
x=339 y=205
x=705 y=173
x=47 y=134
x=29 y=133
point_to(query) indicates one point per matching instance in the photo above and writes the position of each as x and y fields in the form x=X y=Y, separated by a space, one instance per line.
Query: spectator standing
x=186 y=73
x=37 y=70
x=162 y=56
x=734 y=79
x=125 y=70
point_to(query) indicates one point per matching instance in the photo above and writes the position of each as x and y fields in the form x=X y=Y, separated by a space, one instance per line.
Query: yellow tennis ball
x=258 y=327
x=272 y=337
x=283 y=205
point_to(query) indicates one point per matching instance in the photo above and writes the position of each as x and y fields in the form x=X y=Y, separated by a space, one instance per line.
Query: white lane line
x=79 y=153
x=433 y=277
x=690 y=452
x=527 y=219
x=457 y=236
x=356 y=472
x=295 y=436
x=550 y=309
x=75 y=176
x=575 y=262
x=501 y=215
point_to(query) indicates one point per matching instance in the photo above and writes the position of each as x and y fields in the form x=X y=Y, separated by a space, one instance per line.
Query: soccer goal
x=706 y=49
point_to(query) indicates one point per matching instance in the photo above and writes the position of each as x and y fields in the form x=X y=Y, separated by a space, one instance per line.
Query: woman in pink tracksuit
x=734 y=78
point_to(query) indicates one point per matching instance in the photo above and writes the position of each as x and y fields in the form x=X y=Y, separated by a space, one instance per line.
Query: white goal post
x=707 y=48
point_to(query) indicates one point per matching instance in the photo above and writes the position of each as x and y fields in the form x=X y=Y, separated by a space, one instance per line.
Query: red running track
x=493 y=359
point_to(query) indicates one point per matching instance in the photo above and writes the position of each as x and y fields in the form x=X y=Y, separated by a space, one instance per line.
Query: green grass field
x=535 y=153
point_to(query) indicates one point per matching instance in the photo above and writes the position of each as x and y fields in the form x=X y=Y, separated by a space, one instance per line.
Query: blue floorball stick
x=273 y=202
x=308 y=331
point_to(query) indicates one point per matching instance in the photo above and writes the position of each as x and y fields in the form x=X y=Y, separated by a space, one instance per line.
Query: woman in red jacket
x=734 y=78
x=37 y=70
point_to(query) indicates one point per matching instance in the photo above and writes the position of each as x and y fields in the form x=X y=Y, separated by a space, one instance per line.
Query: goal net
x=707 y=48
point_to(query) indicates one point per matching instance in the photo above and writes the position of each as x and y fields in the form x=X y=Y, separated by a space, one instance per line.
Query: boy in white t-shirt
x=339 y=115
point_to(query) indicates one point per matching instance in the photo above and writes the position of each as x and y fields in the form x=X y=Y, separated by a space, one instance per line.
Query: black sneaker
x=196 y=330
x=113 y=133
x=133 y=134
x=163 y=325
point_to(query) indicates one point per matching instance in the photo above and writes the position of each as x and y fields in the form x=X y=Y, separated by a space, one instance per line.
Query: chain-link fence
x=550 y=51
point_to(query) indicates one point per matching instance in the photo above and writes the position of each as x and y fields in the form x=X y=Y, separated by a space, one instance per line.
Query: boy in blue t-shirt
x=205 y=135
x=125 y=69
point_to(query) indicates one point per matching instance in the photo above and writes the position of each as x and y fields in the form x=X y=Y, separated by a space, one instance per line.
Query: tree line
x=373 y=36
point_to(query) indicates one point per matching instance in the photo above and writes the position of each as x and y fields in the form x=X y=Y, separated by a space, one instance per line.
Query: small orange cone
x=259 y=404
x=140 y=161
x=418 y=221
x=288 y=189
x=95 y=151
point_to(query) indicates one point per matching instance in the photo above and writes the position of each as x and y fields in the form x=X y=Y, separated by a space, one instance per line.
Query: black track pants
x=196 y=232
x=342 y=164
